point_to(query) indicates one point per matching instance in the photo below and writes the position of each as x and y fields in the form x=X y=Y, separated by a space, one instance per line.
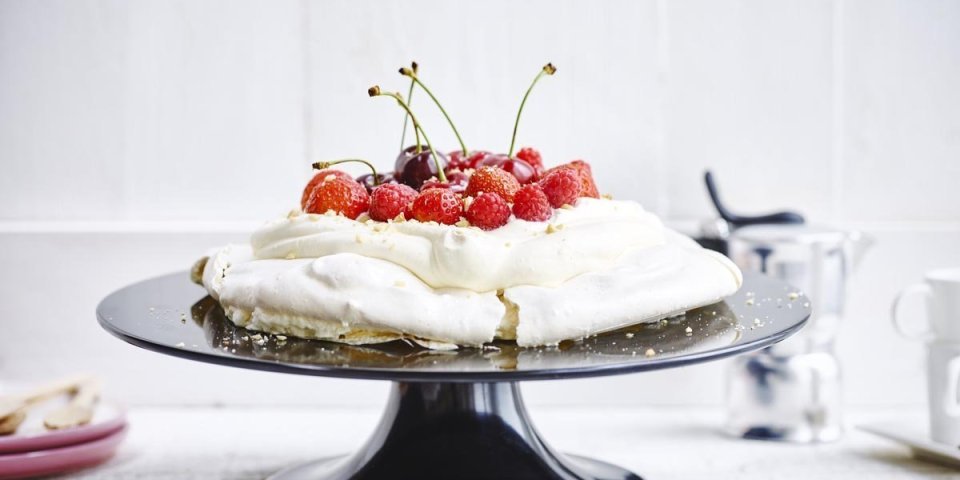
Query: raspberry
x=389 y=200
x=561 y=186
x=488 y=211
x=343 y=196
x=438 y=205
x=588 y=188
x=494 y=180
x=317 y=180
x=531 y=204
x=531 y=156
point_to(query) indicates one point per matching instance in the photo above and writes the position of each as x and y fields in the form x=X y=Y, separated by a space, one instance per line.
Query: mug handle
x=917 y=289
x=951 y=404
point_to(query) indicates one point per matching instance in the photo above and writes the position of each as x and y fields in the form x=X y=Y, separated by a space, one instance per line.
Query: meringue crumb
x=281 y=337
x=329 y=178
x=330 y=213
x=650 y=352
x=507 y=244
x=364 y=217
x=467 y=201
x=566 y=206
x=399 y=218
x=749 y=301
x=757 y=321
x=181 y=345
x=606 y=196
x=463 y=222
x=689 y=331
x=629 y=335
x=793 y=296
x=399 y=283
x=294 y=213
x=359 y=239
x=380 y=227
x=290 y=256
x=551 y=228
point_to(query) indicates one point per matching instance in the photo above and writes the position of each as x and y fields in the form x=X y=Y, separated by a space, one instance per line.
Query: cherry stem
x=375 y=92
x=416 y=80
x=547 y=69
x=322 y=165
x=406 y=118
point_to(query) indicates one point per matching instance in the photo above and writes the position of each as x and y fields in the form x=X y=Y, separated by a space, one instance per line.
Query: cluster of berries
x=480 y=187
x=486 y=199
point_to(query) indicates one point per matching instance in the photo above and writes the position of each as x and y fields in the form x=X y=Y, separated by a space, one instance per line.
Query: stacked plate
x=34 y=451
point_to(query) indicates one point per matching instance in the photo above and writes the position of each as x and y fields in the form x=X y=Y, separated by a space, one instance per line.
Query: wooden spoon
x=11 y=404
x=80 y=409
x=12 y=422
x=13 y=408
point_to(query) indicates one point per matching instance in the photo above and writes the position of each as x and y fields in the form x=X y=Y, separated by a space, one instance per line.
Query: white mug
x=941 y=290
x=943 y=388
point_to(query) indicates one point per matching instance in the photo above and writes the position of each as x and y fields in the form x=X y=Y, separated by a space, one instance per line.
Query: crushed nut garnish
x=650 y=352
x=463 y=222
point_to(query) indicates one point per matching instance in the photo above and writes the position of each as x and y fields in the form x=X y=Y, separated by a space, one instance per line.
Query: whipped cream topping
x=586 y=238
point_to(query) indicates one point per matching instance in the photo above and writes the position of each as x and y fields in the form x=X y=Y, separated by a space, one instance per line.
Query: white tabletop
x=658 y=443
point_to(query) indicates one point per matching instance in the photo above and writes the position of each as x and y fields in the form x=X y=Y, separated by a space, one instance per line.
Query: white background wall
x=134 y=135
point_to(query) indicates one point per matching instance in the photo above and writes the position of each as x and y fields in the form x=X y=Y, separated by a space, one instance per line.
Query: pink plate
x=59 y=460
x=32 y=436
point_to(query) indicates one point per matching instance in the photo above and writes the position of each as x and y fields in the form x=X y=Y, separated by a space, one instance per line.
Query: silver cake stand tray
x=453 y=414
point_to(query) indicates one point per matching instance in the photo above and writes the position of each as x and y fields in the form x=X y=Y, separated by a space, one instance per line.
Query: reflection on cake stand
x=453 y=414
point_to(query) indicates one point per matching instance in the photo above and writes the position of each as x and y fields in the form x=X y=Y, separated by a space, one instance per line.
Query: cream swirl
x=589 y=237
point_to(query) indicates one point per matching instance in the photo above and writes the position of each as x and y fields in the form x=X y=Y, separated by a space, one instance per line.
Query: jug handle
x=951 y=405
x=916 y=289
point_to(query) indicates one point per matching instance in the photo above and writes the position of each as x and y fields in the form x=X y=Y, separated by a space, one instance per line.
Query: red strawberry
x=531 y=204
x=488 y=211
x=531 y=156
x=494 y=180
x=561 y=186
x=389 y=200
x=317 y=180
x=438 y=205
x=343 y=196
x=588 y=186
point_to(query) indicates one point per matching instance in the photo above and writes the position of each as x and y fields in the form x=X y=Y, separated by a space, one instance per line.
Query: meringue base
x=350 y=298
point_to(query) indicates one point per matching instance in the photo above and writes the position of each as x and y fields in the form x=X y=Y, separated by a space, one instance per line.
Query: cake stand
x=453 y=414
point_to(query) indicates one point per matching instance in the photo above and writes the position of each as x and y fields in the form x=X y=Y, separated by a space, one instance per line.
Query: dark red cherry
x=459 y=162
x=520 y=169
x=456 y=182
x=367 y=180
x=415 y=168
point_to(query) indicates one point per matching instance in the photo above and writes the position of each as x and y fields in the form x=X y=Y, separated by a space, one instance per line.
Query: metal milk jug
x=791 y=391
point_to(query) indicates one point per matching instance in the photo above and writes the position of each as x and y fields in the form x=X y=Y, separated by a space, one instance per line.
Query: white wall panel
x=153 y=110
x=901 y=110
x=749 y=94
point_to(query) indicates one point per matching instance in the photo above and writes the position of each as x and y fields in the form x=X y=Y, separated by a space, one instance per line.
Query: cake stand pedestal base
x=455 y=430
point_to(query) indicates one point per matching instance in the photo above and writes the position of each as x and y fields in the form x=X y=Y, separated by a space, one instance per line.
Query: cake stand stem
x=455 y=430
